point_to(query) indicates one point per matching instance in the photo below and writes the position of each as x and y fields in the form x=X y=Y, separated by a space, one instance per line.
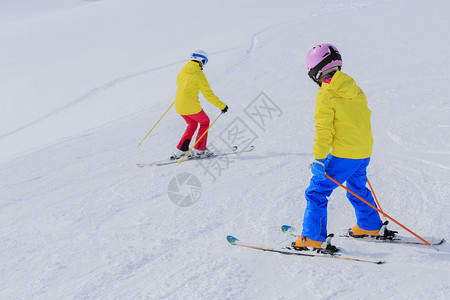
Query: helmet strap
x=315 y=79
x=199 y=63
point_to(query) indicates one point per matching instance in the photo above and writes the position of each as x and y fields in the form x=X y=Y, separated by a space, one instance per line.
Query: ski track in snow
x=79 y=220
x=88 y=95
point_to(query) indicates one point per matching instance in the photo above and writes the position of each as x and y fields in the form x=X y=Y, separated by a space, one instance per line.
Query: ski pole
x=375 y=196
x=156 y=123
x=198 y=140
x=379 y=210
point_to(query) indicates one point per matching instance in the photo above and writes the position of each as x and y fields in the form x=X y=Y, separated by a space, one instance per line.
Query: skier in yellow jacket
x=191 y=80
x=342 y=149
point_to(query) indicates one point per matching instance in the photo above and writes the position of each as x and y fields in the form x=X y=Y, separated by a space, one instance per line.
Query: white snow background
x=82 y=82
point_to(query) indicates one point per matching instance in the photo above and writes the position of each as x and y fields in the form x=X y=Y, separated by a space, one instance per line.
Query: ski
x=399 y=240
x=288 y=251
x=396 y=240
x=174 y=161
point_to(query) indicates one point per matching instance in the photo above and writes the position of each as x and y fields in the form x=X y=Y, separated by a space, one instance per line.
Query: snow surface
x=82 y=82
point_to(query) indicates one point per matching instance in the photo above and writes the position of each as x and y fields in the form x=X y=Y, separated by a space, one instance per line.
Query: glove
x=318 y=167
x=225 y=109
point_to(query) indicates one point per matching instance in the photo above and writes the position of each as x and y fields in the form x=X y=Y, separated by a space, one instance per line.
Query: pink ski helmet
x=320 y=59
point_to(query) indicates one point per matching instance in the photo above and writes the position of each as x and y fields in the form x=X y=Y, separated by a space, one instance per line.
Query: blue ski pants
x=352 y=171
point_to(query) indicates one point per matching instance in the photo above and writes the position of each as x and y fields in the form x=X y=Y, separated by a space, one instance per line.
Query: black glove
x=225 y=109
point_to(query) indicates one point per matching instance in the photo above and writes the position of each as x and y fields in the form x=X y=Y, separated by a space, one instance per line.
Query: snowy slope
x=82 y=82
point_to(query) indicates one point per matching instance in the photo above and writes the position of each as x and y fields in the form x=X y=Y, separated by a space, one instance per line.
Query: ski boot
x=179 y=154
x=202 y=153
x=386 y=234
x=382 y=234
x=302 y=244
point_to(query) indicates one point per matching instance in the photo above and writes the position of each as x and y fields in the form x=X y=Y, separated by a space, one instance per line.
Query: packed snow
x=83 y=82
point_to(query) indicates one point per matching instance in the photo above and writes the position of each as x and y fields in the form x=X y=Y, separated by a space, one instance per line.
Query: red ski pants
x=192 y=122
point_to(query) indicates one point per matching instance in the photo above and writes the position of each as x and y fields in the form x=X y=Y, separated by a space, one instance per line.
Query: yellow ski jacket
x=342 y=120
x=190 y=81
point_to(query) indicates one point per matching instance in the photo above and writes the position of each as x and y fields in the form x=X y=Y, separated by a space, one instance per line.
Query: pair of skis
x=397 y=240
x=289 y=251
x=234 y=150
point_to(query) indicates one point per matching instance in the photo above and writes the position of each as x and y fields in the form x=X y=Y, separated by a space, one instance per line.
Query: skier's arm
x=208 y=93
x=324 y=118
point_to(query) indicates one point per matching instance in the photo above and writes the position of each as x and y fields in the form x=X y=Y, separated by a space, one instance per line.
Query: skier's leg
x=185 y=140
x=203 y=119
x=367 y=218
x=315 y=217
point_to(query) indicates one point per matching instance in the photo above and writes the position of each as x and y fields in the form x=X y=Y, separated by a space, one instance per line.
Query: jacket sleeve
x=324 y=118
x=208 y=93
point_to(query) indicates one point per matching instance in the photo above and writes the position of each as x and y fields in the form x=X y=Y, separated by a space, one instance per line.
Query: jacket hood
x=191 y=67
x=343 y=83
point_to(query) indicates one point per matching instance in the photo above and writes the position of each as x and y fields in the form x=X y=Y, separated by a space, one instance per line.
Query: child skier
x=343 y=126
x=190 y=81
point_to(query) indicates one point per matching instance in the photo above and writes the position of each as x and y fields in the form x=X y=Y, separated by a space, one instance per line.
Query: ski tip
x=232 y=240
x=381 y=262
x=286 y=228
x=440 y=242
